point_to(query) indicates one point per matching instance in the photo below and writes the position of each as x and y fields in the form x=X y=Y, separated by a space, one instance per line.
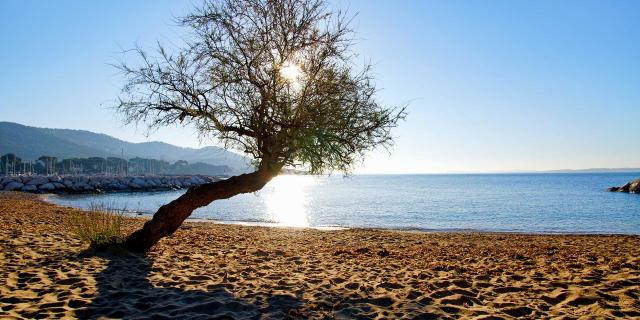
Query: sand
x=209 y=270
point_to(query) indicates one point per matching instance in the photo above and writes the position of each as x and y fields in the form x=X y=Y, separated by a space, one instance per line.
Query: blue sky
x=491 y=85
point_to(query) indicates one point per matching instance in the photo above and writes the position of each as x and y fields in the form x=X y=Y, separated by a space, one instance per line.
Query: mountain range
x=29 y=143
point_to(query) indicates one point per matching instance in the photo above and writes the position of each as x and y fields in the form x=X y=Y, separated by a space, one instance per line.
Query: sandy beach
x=210 y=270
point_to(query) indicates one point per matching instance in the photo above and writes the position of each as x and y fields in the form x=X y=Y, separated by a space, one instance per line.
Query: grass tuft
x=100 y=226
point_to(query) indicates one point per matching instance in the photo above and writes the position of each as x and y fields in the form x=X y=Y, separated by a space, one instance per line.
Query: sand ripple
x=208 y=270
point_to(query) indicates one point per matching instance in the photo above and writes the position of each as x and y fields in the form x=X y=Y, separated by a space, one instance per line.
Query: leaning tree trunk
x=170 y=216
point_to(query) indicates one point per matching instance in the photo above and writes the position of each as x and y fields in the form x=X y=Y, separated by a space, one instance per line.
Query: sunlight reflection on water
x=287 y=200
x=576 y=203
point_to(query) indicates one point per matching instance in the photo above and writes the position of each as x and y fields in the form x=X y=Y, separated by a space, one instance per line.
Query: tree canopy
x=276 y=79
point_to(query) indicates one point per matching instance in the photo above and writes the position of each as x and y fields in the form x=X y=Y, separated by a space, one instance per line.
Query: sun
x=292 y=73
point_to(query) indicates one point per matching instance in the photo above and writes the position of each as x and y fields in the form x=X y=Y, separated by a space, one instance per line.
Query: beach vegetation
x=100 y=225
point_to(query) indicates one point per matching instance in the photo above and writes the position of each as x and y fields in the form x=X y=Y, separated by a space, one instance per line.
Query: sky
x=490 y=86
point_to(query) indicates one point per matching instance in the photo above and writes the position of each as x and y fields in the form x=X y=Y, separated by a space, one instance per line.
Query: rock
x=6 y=180
x=134 y=185
x=59 y=186
x=13 y=185
x=47 y=187
x=120 y=186
x=635 y=186
x=139 y=182
x=630 y=187
x=112 y=186
x=625 y=188
x=37 y=181
x=81 y=186
x=29 y=188
x=95 y=183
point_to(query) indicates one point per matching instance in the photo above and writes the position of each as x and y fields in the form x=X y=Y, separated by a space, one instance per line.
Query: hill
x=29 y=143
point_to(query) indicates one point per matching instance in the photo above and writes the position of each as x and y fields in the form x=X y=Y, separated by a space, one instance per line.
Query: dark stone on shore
x=100 y=183
x=37 y=181
x=47 y=187
x=13 y=185
x=630 y=187
x=59 y=186
x=29 y=188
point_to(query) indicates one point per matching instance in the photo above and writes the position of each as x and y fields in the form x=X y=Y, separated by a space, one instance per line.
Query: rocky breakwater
x=98 y=184
x=630 y=187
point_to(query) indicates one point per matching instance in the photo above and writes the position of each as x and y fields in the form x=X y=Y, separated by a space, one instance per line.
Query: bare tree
x=276 y=79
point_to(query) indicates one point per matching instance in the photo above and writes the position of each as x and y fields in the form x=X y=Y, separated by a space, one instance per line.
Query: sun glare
x=287 y=203
x=292 y=73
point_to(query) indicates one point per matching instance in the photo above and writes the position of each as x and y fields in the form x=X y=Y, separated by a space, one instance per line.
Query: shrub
x=101 y=226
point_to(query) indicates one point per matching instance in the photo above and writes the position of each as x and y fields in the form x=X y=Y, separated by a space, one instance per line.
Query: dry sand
x=209 y=270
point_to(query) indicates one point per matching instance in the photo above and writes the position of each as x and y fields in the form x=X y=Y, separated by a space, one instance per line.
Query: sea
x=523 y=203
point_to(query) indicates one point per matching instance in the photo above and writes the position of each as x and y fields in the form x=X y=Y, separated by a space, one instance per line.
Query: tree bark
x=170 y=216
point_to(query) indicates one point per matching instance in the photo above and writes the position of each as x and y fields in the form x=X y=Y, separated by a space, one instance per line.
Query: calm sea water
x=564 y=203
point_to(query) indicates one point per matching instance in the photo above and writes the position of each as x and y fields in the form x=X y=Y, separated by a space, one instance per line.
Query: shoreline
x=147 y=215
x=216 y=270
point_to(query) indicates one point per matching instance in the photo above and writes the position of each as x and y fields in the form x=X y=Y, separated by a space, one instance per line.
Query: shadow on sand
x=124 y=291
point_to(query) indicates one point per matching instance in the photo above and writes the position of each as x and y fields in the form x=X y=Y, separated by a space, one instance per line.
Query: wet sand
x=210 y=270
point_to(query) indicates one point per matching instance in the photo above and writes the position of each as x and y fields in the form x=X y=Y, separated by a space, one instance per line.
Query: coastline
x=147 y=215
x=209 y=269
